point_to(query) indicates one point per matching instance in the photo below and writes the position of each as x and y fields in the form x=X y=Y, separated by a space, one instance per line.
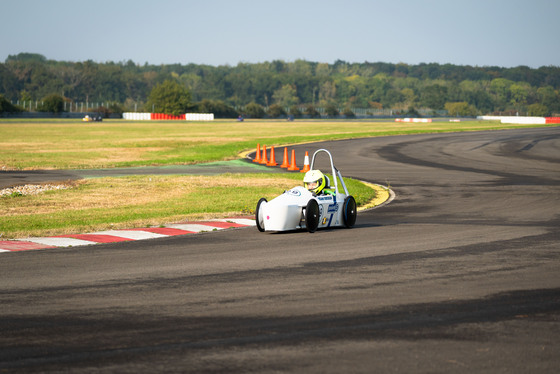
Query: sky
x=505 y=33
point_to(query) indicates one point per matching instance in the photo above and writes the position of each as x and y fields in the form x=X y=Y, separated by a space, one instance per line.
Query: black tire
x=312 y=215
x=258 y=216
x=349 y=212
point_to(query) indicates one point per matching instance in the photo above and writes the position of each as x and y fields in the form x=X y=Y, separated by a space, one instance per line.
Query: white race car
x=298 y=208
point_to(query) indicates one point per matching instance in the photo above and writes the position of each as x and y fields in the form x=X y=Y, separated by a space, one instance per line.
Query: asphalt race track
x=459 y=274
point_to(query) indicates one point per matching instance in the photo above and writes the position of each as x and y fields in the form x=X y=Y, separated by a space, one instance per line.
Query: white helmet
x=315 y=181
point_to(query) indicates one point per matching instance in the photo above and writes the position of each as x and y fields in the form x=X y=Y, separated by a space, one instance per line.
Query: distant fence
x=71 y=107
x=54 y=115
x=87 y=106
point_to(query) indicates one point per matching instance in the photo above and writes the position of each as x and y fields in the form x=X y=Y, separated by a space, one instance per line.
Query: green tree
x=538 y=110
x=25 y=96
x=409 y=96
x=169 y=97
x=311 y=112
x=276 y=111
x=348 y=113
x=286 y=96
x=194 y=84
x=412 y=112
x=518 y=94
x=327 y=92
x=332 y=110
x=254 y=110
x=27 y=57
x=7 y=107
x=550 y=98
x=52 y=103
x=462 y=109
x=111 y=108
x=499 y=88
x=395 y=86
x=300 y=67
x=9 y=82
x=218 y=107
x=434 y=96
x=295 y=111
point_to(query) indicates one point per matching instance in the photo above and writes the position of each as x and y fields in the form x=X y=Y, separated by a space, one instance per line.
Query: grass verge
x=141 y=201
x=72 y=144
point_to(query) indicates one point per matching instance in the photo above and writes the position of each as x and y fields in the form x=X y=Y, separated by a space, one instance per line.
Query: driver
x=316 y=182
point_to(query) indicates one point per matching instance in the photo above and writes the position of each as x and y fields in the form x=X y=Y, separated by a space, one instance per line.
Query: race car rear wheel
x=350 y=212
x=259 y=217
x=312 y=215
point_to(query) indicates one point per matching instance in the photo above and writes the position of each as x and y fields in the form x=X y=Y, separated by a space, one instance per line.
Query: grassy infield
x=126 y=202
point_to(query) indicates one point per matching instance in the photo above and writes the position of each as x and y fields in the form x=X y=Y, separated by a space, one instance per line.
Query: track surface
x=460 y=273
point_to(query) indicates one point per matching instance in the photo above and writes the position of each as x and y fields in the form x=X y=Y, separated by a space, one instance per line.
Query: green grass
x=139 y=201
x=72 y=144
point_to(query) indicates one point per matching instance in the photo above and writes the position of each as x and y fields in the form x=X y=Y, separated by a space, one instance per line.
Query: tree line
x=279 y=88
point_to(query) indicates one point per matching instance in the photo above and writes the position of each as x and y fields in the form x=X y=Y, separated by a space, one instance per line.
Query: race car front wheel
x=259 y=217
x=312 y=215
x=350 y=212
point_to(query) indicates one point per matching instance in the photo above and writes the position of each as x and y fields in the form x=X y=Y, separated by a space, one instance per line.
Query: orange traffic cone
x=264 y=160
x=306 y=167
x=285 y=164
x=258 y=156
x=272 y=161
x=293 y=165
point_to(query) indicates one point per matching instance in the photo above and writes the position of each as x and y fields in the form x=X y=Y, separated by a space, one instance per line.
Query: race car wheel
x=312 y=215
x=350 y=212
x=259 y=218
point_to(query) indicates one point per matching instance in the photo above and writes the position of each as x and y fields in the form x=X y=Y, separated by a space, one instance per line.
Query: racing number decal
x=327 y=218
x=332 y=209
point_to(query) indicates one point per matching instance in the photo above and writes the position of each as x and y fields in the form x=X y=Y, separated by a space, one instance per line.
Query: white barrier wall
x=524 y=120
x=199 y=116
x=489 y=118
x=137 y=116
x=421 y=120
x=160 y=116
x=515 y=119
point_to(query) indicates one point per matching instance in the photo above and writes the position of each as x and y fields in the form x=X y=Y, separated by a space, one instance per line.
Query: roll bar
x=335 y=171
